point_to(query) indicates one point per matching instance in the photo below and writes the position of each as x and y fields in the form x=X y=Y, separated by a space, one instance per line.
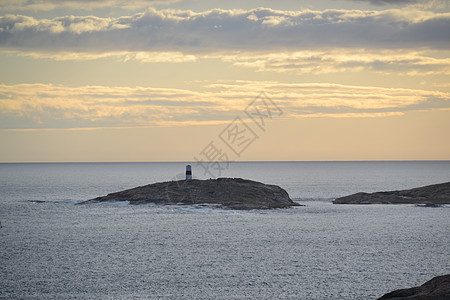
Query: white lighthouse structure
x=188 y=172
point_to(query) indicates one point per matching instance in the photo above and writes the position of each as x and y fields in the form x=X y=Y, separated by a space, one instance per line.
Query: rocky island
x=234 y=193
x=431 y=195
x=438 y=288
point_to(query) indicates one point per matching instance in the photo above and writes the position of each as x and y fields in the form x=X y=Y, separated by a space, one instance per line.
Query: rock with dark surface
x=432 y=195
x=235 y=193
x=437 y=288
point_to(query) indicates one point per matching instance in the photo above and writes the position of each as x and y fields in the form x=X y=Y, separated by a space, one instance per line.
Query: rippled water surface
x=58 y=250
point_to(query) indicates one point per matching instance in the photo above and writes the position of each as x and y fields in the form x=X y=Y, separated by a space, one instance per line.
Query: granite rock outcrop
x=438 y=288
x=234 y=193
x=431 y=195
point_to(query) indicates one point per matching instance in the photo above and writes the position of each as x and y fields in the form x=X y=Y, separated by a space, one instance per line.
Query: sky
x=202 y=80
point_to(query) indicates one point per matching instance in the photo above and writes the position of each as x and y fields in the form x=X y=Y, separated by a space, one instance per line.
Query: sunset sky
x=150 y=80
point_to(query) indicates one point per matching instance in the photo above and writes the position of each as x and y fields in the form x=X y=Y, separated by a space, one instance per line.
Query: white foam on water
x=116 y=203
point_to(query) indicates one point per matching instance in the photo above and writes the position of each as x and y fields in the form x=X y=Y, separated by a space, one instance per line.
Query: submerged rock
x=437 y=288
x=430 y=195
x=235 y=193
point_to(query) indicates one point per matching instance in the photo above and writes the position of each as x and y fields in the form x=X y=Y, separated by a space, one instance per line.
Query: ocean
x=51 y=248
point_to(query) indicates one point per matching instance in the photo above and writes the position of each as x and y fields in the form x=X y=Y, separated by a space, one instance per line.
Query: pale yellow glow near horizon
x=312 y=139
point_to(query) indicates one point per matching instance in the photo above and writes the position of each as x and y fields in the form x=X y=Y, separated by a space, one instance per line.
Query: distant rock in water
x=234 y=193
x=437 y=288
x=431 y=195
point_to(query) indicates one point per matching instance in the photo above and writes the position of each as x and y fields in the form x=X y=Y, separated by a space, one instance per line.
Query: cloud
x=411 y=63
x=145 y=57
x=40 y=106
x=46 y=5
x=219 y=31
x=422 y=4
x=400 y=62
x=389 y=2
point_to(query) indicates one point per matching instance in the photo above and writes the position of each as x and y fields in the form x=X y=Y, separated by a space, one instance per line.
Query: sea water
x=51 y=248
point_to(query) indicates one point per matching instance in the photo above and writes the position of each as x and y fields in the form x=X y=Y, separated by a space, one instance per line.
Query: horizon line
x=244 y=161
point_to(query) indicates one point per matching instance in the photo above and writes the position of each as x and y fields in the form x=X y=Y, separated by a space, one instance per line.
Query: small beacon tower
x=188 y=172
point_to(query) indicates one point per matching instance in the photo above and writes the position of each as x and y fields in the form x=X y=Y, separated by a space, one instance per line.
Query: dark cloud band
x=228 y=30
